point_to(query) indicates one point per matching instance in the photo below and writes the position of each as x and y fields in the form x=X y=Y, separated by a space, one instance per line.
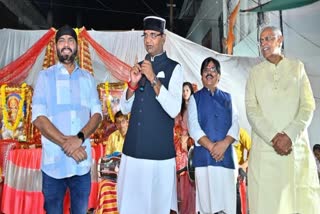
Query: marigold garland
x=106 y=88
x=5 y=107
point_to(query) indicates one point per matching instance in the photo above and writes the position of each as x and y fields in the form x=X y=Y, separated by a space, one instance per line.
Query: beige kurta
x=279 y=98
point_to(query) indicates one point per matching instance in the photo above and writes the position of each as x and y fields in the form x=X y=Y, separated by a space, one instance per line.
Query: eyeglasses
x=212 y=69
x=152 y=35
x=267 y=39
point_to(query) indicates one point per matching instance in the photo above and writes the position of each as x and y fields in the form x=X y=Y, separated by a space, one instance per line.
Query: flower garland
x=106 y=88
x=4 y=106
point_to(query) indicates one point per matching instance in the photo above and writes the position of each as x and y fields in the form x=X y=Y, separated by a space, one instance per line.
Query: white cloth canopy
x=128 y=46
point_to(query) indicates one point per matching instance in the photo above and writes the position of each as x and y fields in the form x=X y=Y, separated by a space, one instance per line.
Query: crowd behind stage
x=178 y=148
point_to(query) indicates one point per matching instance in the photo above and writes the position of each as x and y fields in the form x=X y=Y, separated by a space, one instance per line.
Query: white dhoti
x=146 y=186
x=215 y=190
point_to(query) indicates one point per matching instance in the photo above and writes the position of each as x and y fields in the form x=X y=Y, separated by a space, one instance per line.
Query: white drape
x=128 y=47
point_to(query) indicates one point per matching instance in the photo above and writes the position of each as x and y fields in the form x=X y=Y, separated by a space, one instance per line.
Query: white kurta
x=215 y=185
x=279 y=99
x=147 y=186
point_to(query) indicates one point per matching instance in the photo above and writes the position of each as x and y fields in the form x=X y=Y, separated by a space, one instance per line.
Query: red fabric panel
x=26 y=158
x=21 y=202
x=92 y=203
x=5 y=147
x=16 y=201
x=186 y=195
x=243 y=196
x=98 y=151
x=1 y=188
x=18 y=70
x=118 y=68
x=66 y=203
x=93 y=195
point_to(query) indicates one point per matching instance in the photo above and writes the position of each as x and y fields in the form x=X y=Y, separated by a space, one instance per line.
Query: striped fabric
x=107 y=203
x=23 y=183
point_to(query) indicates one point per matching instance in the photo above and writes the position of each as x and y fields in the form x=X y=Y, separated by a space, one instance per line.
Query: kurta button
x=141 y=99
x=140 y=110
x=139 y=124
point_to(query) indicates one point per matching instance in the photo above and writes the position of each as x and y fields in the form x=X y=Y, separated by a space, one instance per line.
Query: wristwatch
x=154 y=82
x=80 y=135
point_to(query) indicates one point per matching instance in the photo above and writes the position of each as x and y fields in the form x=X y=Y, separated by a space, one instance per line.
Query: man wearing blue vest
x=147 y=179
x=213 y=124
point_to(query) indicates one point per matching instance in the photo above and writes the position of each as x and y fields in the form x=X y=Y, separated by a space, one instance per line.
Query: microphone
x=142 y=82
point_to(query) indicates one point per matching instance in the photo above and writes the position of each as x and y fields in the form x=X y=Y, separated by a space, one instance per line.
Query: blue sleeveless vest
x=215 y=119
x=150 y=131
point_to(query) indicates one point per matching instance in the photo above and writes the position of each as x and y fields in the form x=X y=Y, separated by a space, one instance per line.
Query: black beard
x=66 y=58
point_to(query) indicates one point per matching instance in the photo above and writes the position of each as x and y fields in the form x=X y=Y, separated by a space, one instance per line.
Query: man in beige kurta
x=279 y=102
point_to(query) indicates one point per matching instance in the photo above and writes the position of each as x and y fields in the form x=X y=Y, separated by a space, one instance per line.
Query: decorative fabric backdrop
x=112 y=54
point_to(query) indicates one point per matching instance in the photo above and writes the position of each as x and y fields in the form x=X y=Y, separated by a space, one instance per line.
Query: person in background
x=107 y=197
x=242 y=148
x=116 y=138
x=147 y=176
x=316 y=152
x=186 y=188
x=280 y=104
x=213 y=124
x=67 y=110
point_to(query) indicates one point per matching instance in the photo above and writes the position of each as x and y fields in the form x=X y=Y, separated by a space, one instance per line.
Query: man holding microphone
x=147 y=180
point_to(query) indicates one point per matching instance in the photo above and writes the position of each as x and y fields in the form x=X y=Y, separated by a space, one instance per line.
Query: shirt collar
x=61 y=67
x=158 y=56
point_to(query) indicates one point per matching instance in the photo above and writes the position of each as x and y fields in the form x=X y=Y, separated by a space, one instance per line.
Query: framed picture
x=15 y=115
x=109 y=94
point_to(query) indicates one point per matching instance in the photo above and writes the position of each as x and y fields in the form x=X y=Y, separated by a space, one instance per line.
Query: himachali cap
x=154 y=23
x=66 y=30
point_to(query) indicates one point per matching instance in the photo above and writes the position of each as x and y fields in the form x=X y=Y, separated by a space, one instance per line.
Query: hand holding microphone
x=146 y=68
x=135 y=74
x=147 y=72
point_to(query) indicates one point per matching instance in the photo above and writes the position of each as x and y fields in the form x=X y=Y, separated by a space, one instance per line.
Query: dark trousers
x=54 y=191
